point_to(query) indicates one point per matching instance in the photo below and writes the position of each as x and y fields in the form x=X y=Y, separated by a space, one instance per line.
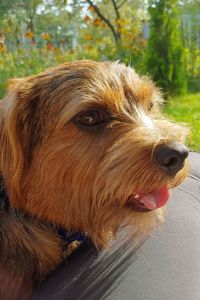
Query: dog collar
x=70 y=236
x=67 y=236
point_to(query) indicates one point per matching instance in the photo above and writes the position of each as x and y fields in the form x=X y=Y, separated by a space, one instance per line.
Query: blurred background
x=159 y=38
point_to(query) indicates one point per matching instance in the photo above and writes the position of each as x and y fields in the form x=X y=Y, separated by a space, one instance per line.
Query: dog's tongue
x=155 y=199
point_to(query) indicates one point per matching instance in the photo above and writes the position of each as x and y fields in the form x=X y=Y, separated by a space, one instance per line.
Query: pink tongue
x=156 y=199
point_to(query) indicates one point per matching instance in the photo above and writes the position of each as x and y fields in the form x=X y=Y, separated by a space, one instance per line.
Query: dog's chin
x=146 y=202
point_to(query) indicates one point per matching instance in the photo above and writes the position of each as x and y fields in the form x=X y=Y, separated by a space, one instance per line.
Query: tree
x=115 y=28
x=38 y=22
x=18 y=12
x=165 y=56
x=190 y=32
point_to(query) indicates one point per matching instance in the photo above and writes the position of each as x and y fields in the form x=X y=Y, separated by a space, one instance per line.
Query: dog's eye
x=91 y=118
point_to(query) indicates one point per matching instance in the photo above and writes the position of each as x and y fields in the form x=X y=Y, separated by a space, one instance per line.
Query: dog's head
x=85 y=145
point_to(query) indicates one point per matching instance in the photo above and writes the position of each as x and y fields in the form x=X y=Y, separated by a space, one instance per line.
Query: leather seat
x=167 y=266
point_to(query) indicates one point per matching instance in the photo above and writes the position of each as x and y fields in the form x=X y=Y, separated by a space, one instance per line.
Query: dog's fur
x=59 y=173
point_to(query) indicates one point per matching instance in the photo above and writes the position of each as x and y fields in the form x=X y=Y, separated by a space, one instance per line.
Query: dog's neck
x=67 y=236
x=29 y=249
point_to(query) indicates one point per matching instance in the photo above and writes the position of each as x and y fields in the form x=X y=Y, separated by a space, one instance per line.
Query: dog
x=85 y=149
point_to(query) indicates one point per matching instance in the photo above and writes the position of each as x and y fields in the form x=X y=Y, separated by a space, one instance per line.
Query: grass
x=186 y=109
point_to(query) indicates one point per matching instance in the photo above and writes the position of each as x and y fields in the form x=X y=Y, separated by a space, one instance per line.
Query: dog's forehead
x=84 y=84
x=122 y=86
x=112 y=85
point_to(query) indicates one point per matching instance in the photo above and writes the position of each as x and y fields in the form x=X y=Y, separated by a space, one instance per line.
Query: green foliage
x=185 y=109
x=165 y=56
x=32 y=60
x=37 y=34
x=190 y=33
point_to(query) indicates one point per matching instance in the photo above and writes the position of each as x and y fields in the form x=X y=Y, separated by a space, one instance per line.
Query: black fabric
x=166 y=267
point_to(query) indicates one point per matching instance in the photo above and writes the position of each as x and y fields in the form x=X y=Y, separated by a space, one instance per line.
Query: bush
x=164 y=57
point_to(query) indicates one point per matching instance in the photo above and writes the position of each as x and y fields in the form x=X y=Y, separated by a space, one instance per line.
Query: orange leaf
x=87 y=18
x=50 y=46
x=88 y=37
x=2 y=48
x=97 y=22
x=29 y=34
x=91 y=8
x=6 y=29
x=45 y=36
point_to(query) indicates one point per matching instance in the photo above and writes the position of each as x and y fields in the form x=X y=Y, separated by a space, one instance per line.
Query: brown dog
x=83 y=147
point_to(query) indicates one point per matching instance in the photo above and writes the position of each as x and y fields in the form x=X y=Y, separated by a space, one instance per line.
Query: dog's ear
x=20 y=131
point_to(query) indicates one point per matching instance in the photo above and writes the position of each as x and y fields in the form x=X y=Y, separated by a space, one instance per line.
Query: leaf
x=29 y=35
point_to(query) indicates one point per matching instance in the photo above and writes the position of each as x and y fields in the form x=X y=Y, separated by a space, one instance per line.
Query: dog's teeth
x=137 y=196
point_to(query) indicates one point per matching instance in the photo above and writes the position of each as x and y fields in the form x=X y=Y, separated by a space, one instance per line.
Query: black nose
x=171 y=157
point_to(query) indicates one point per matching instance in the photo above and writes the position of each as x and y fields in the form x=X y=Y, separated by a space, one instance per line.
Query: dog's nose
x=171 y=157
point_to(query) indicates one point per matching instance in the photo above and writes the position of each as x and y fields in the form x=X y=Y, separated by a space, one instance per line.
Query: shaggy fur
x=59 y=173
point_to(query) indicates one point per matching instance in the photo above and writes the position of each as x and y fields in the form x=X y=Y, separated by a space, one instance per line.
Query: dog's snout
x=171 y=157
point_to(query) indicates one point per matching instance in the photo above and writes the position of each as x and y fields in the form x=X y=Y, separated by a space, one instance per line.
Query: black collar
x=67 y=236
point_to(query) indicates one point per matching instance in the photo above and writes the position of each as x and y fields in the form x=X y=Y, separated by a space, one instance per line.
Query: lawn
x=186 y=109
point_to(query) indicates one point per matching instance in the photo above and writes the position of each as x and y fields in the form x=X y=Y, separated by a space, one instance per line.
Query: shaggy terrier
x=84 y=150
